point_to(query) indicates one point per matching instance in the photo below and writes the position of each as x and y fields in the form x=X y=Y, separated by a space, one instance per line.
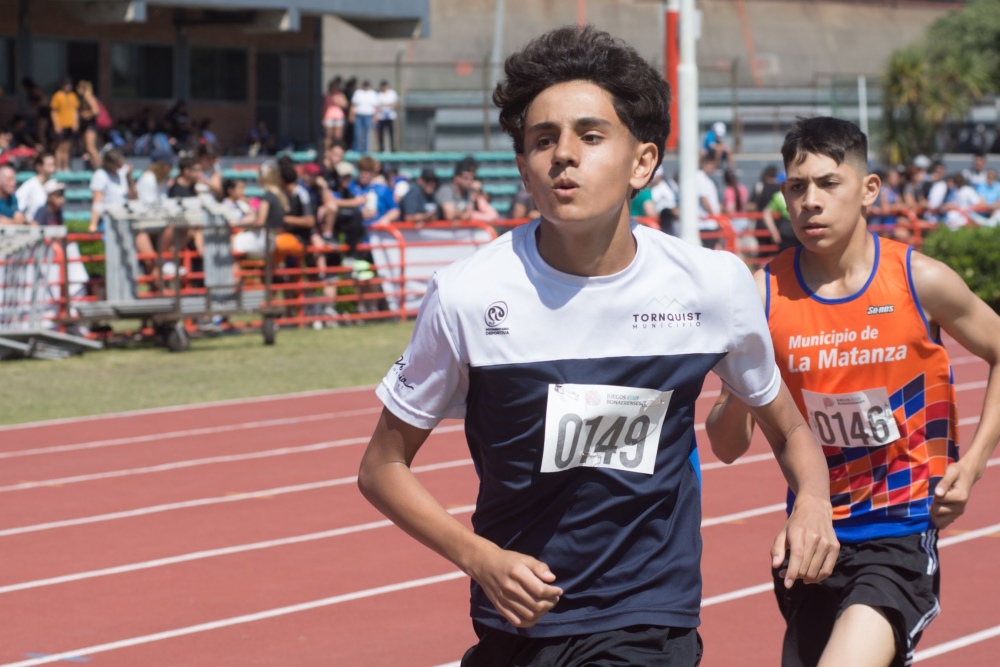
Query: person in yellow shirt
x=65 y=107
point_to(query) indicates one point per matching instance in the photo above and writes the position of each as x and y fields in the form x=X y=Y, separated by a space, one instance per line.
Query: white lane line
x=238 y=620
x=210 y=553
x=415 y=583
x=955 y=644
x=208 y=430
x=297 y=539
x=746 y=514
x=211 y=460
x=189 y=406
x=217 y=500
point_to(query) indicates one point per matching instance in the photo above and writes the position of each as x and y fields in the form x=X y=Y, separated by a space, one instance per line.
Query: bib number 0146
x=857 y=419
x=603 y=426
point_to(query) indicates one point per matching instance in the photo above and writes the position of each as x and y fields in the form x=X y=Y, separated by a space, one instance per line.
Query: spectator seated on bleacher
x=419 y=205
x=9 y=213
x=524 y=205
x=31 y=196
x=715 y=146
x=152 y=186
x=989 y=191
x=52 y=212
x=348 y=227
x=250 y=239
x=380 y=206
x=12 y=153
x=460 y=200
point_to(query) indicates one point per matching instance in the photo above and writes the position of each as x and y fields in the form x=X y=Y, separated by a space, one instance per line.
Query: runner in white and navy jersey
x=575 y=347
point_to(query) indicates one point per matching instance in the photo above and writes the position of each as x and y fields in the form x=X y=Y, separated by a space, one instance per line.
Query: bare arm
x=807 y=537
x=767 y=215
x=95 y=210
x=518 y=585
x=950 y=304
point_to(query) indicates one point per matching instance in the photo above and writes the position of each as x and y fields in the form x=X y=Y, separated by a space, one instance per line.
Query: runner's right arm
x=519 y=586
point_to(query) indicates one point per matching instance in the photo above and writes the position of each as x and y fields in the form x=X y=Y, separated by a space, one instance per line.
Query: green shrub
x=88 y=248
x=974 y=253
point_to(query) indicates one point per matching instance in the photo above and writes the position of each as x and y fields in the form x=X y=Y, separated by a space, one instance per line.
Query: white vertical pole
x=863 y=103
x=687 y=83
x=496 y=55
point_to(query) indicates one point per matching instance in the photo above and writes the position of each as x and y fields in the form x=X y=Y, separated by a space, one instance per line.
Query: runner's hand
x=810 y=542
x=951 y=495
x=519 y=586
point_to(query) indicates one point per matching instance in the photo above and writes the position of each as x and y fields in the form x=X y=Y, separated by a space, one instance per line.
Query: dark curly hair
x=840 y=140
x=641 y=95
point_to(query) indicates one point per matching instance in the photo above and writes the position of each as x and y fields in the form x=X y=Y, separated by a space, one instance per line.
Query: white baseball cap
x=719 y=128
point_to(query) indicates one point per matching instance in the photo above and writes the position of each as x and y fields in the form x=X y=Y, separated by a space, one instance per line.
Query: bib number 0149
x=603 y=426
x=609 y=443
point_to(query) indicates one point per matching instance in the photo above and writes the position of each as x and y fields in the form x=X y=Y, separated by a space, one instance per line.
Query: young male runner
x=575 y=347
x=856 y=322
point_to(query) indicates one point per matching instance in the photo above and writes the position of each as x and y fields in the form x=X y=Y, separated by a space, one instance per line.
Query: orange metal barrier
x=405 y=254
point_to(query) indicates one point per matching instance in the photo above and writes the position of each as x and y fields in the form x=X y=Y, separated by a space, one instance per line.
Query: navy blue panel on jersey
x=622 y=544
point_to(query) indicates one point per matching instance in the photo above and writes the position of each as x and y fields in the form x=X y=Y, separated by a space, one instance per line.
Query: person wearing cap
x=418 y=204
x=715 y=145
x=52 y=212
x=31 y=195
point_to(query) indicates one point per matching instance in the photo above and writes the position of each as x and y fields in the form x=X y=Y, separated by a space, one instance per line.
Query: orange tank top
x=875 y=387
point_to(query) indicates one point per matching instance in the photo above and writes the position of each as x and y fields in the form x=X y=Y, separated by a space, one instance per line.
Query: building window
x=218 y=75
x=54 y=59
x=142 y=71
x=6 y=66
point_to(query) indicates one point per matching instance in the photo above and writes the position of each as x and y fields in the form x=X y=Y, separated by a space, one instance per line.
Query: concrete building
x=233 y=61
x=768 y=60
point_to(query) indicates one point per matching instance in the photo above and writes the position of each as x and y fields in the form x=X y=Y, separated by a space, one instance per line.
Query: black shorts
x=648 y=646
x=898 y=575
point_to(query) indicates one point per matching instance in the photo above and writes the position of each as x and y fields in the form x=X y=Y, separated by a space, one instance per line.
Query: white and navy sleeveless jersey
x=578 y=396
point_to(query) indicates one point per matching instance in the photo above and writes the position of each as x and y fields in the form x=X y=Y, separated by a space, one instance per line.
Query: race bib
x=856 y=419
x=602 y=426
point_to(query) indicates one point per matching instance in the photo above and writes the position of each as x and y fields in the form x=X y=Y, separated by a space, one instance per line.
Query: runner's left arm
x=950 y=304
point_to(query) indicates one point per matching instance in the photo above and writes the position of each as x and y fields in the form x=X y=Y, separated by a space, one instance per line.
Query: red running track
x=233 y=534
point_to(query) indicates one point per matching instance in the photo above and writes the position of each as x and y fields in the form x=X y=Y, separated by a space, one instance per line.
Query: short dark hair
x=840 y=140
x=468 y=163
x=288 y=172
x=228 y=185
x=40 y=159
x=186 y=162
x=640 y=94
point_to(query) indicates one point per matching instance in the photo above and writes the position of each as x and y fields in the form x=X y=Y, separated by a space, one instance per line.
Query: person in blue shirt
x=715 y=145
x=9 y=214
x=989 y=190
x=380 y=206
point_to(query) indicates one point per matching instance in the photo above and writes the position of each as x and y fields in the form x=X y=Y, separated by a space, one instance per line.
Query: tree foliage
x=936 y=81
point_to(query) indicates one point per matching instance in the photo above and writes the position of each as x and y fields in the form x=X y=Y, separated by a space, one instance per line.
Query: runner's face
x=580 y=162
x=826 y=200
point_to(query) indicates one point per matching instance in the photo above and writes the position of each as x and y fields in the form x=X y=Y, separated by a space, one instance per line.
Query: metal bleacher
x=497 y=171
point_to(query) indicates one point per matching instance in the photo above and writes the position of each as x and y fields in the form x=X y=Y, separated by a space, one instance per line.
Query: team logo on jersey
x=495 y=315
x=665 y=313
x=398 y=368
x=880 y=310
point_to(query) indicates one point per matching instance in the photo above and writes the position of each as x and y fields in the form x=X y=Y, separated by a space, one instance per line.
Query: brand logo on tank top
x=665 y=313
x=880 y=310
x=495 y=315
